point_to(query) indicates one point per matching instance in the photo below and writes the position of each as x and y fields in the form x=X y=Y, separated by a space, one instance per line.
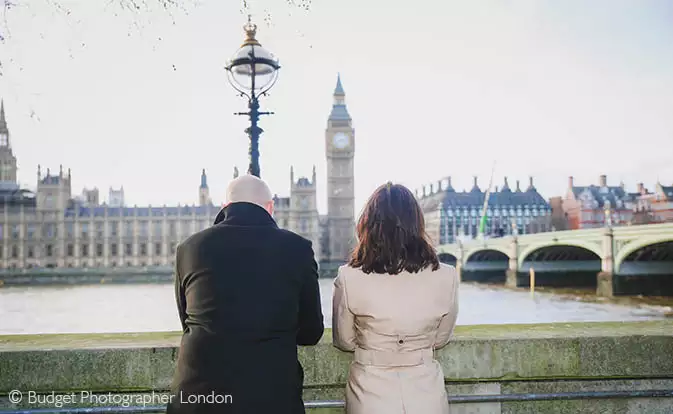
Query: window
x=304 y=225
x=16 y=231
x=157 y=249
x=71 y=250
x=114 y=228
x=143 y=228
x=85 y=230
x=128 y=249
x=128 y=229
x=157 y=228
x=113 y=249
x=15 y=252
x=186 y=227
x=172 y=229
x=50 y=250
x=70 y=229
x=31 y=252
x=30 y=231
x=143 y=249
x=172 y=248
x=85 y=250
x=99 y=230
x=99 y=249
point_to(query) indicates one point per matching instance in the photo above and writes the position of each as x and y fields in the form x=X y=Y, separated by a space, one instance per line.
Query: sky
x=435 y=88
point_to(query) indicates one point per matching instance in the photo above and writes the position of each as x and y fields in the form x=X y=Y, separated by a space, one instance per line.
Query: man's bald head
x=250 y=189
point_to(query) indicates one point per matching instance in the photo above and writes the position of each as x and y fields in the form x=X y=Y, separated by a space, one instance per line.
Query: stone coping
x=480 y=353
x=171 y=339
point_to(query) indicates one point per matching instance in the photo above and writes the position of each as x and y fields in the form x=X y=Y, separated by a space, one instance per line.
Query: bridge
x=628 y=260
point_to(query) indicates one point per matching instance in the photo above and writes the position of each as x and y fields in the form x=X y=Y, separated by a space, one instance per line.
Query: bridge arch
x=478 y=250
x=448 y=249
x=523 y=255
x=485 y=264
x=636 y=245
x=447 y=258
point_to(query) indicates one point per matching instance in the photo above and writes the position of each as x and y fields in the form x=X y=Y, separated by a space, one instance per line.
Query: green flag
x=482 y=222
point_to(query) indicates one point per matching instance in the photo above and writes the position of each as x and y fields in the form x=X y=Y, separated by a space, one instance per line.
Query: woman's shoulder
x=347 y=270
x=446 y=273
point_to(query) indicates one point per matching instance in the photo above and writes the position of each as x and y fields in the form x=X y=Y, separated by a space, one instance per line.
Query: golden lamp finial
x=250 y=32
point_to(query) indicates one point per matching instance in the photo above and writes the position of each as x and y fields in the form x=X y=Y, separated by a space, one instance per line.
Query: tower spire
x=4 y=132
x=339 y=110
x=3 y=122
x=339 y=90
x=204 y=179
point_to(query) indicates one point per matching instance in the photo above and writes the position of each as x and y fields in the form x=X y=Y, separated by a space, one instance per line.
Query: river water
x=151 y=307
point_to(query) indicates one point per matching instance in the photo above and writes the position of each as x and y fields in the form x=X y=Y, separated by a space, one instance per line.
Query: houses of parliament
x=49 y=228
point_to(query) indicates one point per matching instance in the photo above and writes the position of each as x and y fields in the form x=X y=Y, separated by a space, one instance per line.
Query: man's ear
x=269 y=207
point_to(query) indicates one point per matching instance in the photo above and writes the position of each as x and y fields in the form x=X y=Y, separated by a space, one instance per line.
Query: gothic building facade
x=49 y=228
x=333 y=235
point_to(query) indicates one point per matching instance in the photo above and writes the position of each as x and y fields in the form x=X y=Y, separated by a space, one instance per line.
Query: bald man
x=247 y=295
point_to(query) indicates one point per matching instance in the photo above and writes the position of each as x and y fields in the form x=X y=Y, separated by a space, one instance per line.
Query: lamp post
x=608 y=217
x=252 y=71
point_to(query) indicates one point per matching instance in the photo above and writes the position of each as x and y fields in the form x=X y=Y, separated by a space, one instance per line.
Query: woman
x=393 y=305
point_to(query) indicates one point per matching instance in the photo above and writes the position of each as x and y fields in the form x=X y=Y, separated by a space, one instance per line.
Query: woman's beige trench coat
x=393 y=324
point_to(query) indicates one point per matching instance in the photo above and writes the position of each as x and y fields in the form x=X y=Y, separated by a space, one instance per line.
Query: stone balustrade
x=483 y=360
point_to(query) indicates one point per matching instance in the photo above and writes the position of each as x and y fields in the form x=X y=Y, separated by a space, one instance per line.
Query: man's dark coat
x=247 y=295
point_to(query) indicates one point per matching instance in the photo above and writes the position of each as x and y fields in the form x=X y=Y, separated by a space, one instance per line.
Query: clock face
x=341 y=140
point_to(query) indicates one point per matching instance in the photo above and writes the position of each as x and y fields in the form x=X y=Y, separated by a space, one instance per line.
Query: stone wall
x=481 y=360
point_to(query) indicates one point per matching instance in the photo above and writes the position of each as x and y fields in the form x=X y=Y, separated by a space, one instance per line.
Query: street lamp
x=608 y=217
x=252 y=71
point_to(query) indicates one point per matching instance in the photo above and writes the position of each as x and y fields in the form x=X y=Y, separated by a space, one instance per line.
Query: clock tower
x=7 y=159
x=340 y=150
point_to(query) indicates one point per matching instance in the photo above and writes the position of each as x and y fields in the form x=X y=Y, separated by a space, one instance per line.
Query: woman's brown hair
x=391 y=234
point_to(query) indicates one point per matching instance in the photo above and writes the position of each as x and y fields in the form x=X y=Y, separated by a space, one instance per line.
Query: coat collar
x=245 y=214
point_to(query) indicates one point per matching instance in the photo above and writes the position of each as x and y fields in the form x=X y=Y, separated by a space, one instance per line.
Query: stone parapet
x=480 y=360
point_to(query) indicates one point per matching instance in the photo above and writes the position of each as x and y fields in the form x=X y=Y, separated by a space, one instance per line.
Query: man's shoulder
x=286 y=237
x=194 y=239
x=292 y=237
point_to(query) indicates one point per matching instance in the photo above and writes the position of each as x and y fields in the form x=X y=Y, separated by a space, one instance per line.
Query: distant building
x=51 y=228
x=559 y=218
x=11 y=195
x=332 y=235
x=90 y=198
x=116 y=197
x=599 y=205
x=452 y=215
x=654 y=207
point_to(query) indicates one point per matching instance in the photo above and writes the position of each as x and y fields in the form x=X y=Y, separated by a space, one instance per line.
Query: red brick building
x=599 y=205
x=658 y=205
